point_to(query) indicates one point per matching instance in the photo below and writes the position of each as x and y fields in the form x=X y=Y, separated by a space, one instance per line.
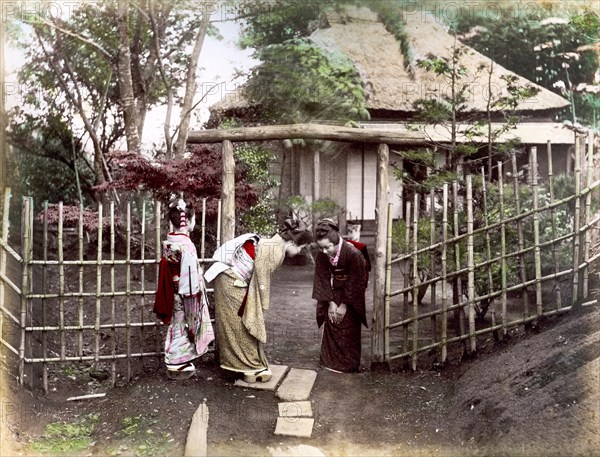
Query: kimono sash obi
x=339 y=277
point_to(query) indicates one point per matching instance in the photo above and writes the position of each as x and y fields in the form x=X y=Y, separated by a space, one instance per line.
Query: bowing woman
x=339 y=288
x=242 y=286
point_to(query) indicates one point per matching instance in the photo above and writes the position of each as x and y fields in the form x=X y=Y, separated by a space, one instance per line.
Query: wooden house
x=345 y=172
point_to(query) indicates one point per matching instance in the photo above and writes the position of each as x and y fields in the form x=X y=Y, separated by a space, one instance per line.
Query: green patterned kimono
x=240 y=340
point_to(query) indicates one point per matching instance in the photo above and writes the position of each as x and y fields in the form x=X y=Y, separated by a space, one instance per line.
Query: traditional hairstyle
x=179 y=213
x=327 y=228
x=290 y=231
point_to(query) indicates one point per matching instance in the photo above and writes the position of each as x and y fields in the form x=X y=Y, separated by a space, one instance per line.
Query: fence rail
x=491 y=257
x=74 y=308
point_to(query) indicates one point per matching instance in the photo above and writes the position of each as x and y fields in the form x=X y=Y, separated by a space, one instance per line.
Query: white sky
x=219 y=61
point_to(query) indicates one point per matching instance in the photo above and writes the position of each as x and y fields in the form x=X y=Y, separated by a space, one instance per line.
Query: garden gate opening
x=466 y=260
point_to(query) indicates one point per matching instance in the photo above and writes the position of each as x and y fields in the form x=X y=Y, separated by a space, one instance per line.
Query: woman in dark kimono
x=339 y=288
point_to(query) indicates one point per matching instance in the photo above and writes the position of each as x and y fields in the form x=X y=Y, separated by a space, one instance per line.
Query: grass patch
x=135 y=424
x=142 y=440
x=66 y=438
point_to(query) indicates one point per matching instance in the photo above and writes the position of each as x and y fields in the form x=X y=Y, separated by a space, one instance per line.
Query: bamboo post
x=415 y=282
x=488 y=249
x=588 y=213
x=432 y=260
x=27 y=246
x=80 y=300
x=113 y=365
x=536 y=231
x=61 y=282
x=470 y=265
x=381 y=204
x=521 y=257
x=555 y=245
x=399 y=181
x=316 y=180
x=228 y=192
x=142 y=274
x=444 y=278
x=44 y=310
x=457 y=281
x=388 y=284
x=128 y=290
x=157 y=240
x=203 y=231
x=158 y=254
x=503 y=266
x=576 y=223
x=406 y=272
x=3 y=257
x=98 y=288
x=28 y=292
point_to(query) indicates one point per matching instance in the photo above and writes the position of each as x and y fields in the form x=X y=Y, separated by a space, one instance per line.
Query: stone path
x=294 y=414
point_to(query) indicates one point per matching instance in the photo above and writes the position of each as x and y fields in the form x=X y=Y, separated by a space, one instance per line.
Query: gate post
x=379 y=359
x=228 y=192
x=27 y=246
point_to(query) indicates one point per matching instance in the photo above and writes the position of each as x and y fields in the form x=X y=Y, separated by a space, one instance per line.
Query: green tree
x=296 y=80
x=551 y=48
x=104 y=67
x=313 y=83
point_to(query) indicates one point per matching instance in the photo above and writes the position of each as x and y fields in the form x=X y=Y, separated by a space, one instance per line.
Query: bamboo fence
x=83 y=309
x=503 y=268
x=475 y=239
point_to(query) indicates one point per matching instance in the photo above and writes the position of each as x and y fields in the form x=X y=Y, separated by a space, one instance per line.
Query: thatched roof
x=528 y=132
x=393 y=84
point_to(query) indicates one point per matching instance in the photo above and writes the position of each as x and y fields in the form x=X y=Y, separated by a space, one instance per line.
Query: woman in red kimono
x=181 y=299
x=339 y=288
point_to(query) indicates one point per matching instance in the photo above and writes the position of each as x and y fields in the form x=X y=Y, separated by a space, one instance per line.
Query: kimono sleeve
x=165 y=293
x=354 y=289
x=322 y=282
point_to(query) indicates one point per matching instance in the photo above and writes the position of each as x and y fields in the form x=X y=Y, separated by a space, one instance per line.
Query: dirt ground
x=534 y=394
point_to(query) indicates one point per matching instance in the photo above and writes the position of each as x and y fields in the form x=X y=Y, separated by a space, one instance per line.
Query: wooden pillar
x=378 y=327
x=316 y=180
x=228 y=193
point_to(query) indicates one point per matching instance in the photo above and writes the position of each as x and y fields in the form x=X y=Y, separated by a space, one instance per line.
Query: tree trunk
x=125 y=80
x=190 y=85
x=3 y=118
x=314 y=131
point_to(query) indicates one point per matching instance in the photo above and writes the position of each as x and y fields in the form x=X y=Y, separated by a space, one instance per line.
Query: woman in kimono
x=339 y=288
x=242 y=285
x=181 y=299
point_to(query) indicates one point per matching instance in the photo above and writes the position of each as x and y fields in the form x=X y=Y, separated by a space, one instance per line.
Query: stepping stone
x=297 y=385
x=295 y=409
x=301 y=450
x=278 y=371
x=294 y=426
x=196 y=444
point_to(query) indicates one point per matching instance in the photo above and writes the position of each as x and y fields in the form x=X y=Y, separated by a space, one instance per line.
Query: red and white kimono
x=181 y=301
